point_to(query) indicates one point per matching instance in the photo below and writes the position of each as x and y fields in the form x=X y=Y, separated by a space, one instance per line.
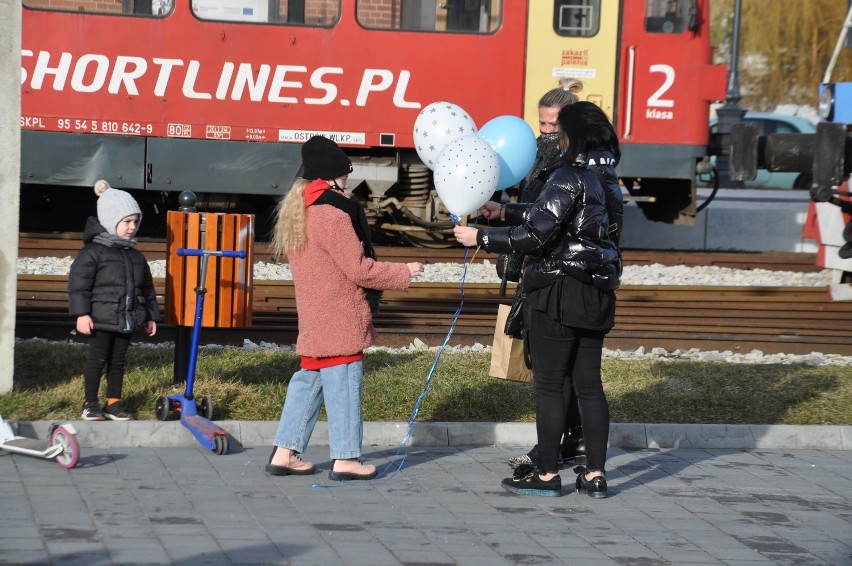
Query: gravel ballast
x=484 y=272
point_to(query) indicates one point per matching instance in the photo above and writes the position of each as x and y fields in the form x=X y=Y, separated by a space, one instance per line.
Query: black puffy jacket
x=113 y=285
x=573 y=228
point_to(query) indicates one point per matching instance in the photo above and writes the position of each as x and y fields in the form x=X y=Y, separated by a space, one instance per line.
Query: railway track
x=772 y=319
x=67 y=244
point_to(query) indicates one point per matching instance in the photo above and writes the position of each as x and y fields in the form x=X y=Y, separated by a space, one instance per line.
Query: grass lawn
x=250 y=385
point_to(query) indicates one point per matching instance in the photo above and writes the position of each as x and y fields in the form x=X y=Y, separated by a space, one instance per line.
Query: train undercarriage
x=407 y=212
x=395 y=187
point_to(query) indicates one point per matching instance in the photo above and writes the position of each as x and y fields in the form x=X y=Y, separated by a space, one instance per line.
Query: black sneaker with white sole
x=117 y=412
x=92 y=412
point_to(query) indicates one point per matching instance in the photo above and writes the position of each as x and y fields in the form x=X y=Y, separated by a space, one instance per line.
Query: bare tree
x=785 y=46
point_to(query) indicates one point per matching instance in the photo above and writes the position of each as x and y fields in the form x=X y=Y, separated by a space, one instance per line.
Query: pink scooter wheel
x=70 y=454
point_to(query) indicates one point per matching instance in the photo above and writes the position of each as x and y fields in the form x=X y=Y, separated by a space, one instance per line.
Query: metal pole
x=183 y=334
x=730 y=112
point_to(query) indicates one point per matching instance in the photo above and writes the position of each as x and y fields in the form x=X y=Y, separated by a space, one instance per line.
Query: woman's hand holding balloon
x=465 y=235
x=491 y=210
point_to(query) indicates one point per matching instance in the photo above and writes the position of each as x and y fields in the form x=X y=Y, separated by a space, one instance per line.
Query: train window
x=157 y=8
x=577 y=18
x=471 y=16
x=669 y=16
x=318 y=13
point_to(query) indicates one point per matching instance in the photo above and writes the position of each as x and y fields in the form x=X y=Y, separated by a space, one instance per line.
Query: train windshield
x=670 y=16
x=577 y=18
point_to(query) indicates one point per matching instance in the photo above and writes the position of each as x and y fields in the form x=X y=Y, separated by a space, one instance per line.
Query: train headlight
x=826 y=103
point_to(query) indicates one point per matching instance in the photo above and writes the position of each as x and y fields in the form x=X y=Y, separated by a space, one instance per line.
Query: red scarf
x=314 y=190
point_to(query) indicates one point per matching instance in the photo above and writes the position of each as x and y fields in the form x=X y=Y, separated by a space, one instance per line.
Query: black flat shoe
x=286 y=470
x=349 y=476
x=527 y=481
x=595 y=487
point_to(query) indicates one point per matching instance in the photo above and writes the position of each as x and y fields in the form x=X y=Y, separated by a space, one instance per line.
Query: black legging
x=567 y=357
x=108 y=349
x=573 y=424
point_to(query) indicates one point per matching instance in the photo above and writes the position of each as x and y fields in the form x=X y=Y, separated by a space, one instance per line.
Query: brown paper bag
x=507 y=353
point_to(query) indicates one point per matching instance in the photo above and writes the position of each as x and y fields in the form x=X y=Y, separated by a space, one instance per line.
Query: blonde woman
x=324 y=234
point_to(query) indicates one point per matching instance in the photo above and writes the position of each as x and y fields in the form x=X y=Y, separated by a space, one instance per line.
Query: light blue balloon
x=514 y=143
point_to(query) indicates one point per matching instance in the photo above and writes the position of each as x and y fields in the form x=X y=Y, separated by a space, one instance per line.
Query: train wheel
x=416 y=208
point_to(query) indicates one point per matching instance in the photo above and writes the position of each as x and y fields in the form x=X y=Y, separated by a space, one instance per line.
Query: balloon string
x=428 y=383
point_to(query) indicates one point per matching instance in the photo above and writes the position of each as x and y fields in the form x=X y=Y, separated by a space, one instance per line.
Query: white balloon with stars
x=437 y=126
x=466 y=174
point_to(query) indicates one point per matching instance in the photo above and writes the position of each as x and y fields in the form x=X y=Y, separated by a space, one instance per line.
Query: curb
x=157 y=434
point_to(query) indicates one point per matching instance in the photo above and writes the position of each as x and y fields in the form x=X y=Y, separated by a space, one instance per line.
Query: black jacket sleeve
x=538 y=223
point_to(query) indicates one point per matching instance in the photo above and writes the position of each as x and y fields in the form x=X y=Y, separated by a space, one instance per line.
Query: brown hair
x=563 y=95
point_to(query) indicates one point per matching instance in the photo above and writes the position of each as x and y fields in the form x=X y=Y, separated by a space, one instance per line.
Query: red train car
x=216 y=96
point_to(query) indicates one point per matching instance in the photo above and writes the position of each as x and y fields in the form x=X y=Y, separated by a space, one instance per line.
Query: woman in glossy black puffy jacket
x=570 y=239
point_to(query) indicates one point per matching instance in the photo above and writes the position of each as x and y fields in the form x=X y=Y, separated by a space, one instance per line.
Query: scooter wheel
x=221 y=444
x=164 y=408
x=205 y=407
x=70 y=454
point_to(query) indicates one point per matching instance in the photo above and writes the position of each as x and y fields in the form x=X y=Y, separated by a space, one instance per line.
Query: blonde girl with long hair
x=323 y=233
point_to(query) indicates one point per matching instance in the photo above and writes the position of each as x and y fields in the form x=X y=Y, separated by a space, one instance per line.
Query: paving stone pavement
x=185 y=505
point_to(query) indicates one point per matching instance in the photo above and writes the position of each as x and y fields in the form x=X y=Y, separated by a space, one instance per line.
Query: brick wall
x=321 y=11
x=98 y=6
x=381 y=14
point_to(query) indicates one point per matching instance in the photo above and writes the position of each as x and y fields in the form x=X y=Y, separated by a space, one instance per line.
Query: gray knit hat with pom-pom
x=114 y=205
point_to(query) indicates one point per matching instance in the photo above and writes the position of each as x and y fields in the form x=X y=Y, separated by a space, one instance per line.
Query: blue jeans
x=339 y=387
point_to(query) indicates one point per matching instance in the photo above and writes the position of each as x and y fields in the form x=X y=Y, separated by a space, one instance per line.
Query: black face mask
x=547 y=150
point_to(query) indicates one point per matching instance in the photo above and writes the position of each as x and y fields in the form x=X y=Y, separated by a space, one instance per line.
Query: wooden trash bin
x=228 y=282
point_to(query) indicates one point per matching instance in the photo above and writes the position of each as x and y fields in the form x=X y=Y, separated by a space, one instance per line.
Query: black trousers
x=573 y=424
x=108 y=349
x=565 y=357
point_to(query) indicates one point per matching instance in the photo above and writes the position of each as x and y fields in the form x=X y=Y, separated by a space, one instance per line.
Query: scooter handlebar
x=221 y=253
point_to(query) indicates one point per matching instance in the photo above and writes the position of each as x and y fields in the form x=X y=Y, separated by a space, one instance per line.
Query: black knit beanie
x=323 y=159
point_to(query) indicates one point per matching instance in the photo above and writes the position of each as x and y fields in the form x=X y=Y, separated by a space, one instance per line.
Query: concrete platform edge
x=391 y=434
